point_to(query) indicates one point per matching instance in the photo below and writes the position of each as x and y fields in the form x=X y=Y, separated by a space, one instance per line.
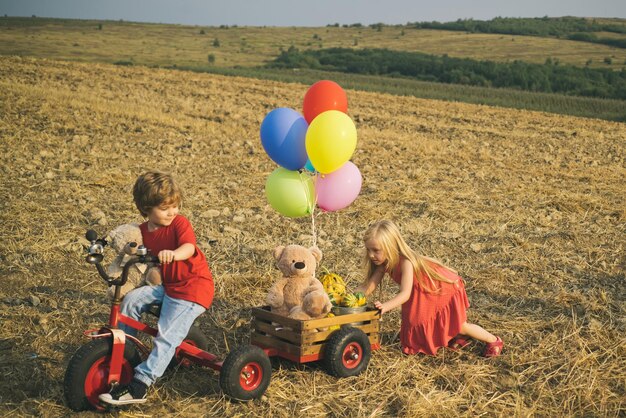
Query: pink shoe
x=459 y=342
x=493 y=349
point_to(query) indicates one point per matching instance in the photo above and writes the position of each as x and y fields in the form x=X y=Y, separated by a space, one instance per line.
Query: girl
x=432 y=296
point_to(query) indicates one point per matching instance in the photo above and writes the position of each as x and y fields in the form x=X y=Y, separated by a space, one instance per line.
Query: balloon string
x=311 y=209
x=313 y=227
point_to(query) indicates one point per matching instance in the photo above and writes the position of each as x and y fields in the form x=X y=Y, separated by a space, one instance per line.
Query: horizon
x=283 y=13
x=302 y=26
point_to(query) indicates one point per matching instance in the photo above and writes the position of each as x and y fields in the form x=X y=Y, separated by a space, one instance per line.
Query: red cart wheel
x=347 y=352
x=352 y=355
x=251 y=376
x=246 y=373
x=88 y=371
x=194 y=337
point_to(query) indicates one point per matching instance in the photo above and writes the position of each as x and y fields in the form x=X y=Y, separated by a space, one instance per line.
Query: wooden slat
x=341 y=319
x=267 y=341
x=285 y=334
x=308 y=350
x=312 y=349
x=264 y=313
x=313 y=337
x=370 y=328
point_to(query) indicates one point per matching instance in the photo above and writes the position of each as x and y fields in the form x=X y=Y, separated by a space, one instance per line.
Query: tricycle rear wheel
x=87 y=373
x=347 y=352
x=246 y=373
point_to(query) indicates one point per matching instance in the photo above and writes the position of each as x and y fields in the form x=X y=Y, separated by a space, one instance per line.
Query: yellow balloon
x=330 y=140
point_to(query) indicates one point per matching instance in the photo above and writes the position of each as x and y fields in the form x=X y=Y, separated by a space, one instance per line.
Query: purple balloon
x=283 y=133
x=338 y=189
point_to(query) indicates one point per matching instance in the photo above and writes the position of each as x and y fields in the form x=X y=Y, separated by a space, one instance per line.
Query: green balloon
x=290 y=193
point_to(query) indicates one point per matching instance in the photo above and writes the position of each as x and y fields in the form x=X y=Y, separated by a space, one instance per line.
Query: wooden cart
x=344 y=343
x=306 y=341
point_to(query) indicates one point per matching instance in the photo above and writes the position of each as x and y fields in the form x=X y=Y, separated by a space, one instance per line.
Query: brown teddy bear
x=119 y=240
x=298 y=294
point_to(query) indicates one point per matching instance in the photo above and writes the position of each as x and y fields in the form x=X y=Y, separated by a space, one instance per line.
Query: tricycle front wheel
x=246 y=373
x=87 y=373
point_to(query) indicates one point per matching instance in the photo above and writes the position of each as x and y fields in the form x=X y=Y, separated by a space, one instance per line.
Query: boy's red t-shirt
x=189 y=279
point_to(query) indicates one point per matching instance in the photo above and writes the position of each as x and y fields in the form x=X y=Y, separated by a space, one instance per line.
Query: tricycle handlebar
x=95 y=256
x=140 y=259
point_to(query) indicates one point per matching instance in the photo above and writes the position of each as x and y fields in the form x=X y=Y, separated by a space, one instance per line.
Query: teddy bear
x=119 y=240
x=298 y=294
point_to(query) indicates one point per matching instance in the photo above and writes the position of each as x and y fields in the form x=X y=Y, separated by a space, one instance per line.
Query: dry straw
x=529 y=207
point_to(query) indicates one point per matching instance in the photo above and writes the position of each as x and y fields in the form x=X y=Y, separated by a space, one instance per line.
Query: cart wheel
x=347 y=352
x=246 y=373
x=194 y=337
x=88 y=371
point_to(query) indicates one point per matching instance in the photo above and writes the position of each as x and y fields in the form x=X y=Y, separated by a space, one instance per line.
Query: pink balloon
x=338 y=189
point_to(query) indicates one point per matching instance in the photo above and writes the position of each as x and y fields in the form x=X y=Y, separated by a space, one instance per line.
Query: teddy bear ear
x=317 y=253
x=278 y=251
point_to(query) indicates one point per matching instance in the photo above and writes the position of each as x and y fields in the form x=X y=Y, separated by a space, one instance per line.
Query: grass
x=554 y=103
x=243 y=50
x=160 y=44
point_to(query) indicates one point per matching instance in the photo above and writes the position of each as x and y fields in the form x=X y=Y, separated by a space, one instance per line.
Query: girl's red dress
x=431 y=320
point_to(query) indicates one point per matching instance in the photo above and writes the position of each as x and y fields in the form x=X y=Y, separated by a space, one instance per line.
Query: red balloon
x=322 y=96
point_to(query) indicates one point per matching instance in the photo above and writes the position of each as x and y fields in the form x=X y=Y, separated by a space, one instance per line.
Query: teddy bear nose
x=299 y=265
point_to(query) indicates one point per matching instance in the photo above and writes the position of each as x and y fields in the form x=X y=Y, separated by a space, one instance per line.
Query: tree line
x=573 y=28
x=550 y=77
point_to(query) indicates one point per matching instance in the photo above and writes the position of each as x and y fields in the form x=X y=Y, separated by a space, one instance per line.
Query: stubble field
x=529 y=207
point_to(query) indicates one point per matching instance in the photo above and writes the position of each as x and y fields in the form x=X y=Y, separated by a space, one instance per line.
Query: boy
x=187 y=289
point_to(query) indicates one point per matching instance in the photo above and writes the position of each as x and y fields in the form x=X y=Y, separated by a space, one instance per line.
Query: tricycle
x=344 y=343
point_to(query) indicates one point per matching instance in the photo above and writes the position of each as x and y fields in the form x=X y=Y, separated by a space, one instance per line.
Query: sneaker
x=134 y=392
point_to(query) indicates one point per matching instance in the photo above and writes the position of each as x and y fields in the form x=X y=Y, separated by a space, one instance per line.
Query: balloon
x=283 y=133
x=330 y=141
x=338 y=189
x=290 y=192
x=322 y=96
x=308 y=166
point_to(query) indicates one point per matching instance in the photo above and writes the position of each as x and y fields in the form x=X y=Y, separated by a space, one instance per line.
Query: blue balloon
x=283 y=134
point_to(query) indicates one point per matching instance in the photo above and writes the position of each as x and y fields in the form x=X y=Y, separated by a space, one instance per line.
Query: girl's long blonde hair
x=393 y=245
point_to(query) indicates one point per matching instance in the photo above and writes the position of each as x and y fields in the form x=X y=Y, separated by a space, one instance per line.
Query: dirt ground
x=529 y=207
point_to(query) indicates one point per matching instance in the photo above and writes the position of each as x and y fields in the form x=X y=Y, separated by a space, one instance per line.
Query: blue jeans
x=176 y=319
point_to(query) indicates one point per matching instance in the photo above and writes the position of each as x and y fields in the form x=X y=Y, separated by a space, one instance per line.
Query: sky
x=307 y=13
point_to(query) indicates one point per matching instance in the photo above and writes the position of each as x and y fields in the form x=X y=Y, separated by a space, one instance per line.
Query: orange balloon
x=322 y=96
